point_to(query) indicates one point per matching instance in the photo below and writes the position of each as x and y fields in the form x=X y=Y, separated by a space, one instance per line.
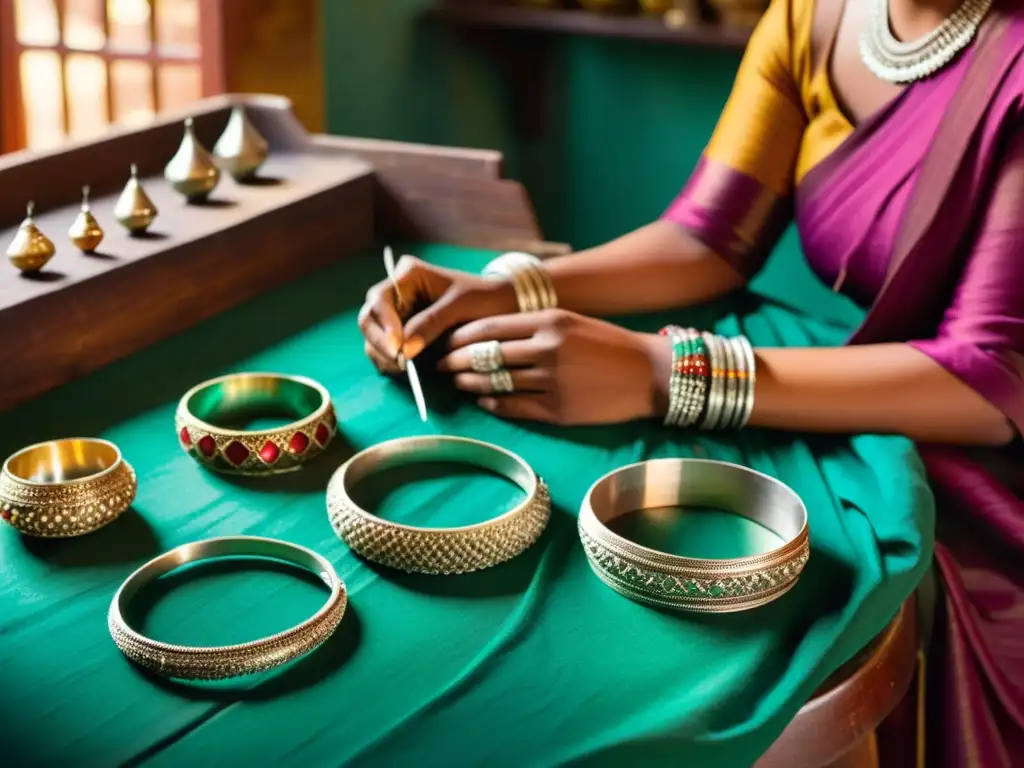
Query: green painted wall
x=630 y=119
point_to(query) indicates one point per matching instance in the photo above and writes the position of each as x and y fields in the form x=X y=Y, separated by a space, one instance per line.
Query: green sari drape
x=532 y=663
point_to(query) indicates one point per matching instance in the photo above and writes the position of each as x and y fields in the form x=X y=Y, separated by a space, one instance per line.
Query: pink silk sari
x=919 y=215
x=923 y=207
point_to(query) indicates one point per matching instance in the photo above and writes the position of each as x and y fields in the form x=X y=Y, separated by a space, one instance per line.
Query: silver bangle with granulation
x=221 y=662
x=438 y=550
x=686 y=583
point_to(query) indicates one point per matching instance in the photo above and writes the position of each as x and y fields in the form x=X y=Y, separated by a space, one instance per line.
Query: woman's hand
x=432 y=301
x=565 y=368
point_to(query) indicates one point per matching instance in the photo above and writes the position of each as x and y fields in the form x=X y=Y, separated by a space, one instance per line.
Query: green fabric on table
x=531 y=663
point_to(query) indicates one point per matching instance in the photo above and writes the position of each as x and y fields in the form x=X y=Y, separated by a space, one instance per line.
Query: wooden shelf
x=518 y=42
x=470 y=16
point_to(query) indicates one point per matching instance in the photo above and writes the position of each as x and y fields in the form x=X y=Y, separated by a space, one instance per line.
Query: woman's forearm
x=871 y=388
x=883 y=388
x=656 y=267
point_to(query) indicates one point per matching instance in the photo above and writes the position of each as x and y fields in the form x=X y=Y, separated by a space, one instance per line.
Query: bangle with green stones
x=705 y=585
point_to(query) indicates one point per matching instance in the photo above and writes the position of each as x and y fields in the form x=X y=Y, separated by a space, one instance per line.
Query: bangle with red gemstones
x=212 y=416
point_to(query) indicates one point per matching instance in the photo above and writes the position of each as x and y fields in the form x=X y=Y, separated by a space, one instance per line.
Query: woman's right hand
x=433 y=301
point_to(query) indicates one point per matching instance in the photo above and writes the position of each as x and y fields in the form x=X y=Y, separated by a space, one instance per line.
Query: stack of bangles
x=535 y=291
x=533 y=285
x=713 y=378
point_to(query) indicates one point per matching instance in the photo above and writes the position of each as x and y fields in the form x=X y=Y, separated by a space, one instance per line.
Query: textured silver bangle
x=688 y=380
x=533 y=285
x=438 y=550
x=217 y=663
x=686 y=583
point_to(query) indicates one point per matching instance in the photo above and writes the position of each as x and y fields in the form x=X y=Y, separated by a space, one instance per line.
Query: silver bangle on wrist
x=686 y=583
x=221 y=662
x=438 y=550
x=712 y=381
x=533 y=285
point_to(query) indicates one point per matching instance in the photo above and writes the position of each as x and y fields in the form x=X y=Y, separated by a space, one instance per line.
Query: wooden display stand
x=318 y=199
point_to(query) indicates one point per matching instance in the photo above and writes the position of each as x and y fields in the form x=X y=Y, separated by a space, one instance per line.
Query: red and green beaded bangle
x=687 y=386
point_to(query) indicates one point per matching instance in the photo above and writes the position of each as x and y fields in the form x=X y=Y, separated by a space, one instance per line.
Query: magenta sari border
x=732 y=213
x=958 y=597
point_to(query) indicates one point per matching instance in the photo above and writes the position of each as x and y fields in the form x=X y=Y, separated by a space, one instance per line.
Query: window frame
x=210 y=61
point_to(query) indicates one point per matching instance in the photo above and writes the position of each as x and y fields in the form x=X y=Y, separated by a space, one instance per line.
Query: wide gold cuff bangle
x=210 y=414
x=217 y=663
x=686 y=583
x=64 y=488
x=438 y=550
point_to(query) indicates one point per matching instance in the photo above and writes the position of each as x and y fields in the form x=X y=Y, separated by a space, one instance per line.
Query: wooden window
x=71 y=68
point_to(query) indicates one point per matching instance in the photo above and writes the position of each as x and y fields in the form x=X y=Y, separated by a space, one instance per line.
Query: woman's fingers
x=525 y=407
x=458 y=304
x=504 y=382
x=381 y=361
x=380 y=321
x=520 y=353
x=374 y=333
x=500 y=328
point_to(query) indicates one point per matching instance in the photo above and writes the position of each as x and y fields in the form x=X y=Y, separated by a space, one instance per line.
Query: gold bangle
x=64 y=488
x=687 y=583
x=209 y=412
x=220 y=662
x=438 y=550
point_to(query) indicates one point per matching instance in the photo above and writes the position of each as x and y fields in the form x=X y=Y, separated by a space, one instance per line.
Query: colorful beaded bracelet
x=712 y=380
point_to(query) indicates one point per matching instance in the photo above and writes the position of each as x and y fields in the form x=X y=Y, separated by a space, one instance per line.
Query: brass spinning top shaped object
x=86 y=233
x=240 y=150
x=30 y=249
x=192 y=171
x=134 y=210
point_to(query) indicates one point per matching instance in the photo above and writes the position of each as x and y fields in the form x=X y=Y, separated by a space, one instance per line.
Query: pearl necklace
x=906 y=62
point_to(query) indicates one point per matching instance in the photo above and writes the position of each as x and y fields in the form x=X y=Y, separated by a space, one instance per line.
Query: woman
x=903 y=169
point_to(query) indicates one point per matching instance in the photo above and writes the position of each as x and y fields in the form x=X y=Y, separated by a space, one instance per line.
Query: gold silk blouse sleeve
x=738 y=199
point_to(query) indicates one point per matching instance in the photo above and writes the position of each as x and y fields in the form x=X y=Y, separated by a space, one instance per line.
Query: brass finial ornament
x=85 y=232
x=134 y=210
x=192 y=171
x=240 y=150
x=30 y=249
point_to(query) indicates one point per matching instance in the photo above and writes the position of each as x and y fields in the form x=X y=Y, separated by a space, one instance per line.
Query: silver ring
x=686 y=583
x=438 y=550
x=501 y=381
x=486 y=357
x=218 y=663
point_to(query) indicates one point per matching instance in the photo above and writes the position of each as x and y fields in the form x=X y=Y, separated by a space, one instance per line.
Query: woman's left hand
x=565 y=368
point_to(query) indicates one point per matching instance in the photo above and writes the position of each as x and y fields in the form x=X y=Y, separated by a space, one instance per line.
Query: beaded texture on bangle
x=712 y=380
x=534 y=287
